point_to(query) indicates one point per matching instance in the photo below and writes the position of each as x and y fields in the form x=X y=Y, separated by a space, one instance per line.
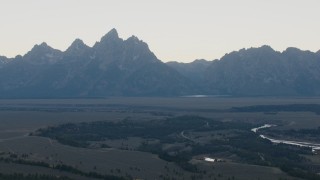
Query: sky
x=175 y=30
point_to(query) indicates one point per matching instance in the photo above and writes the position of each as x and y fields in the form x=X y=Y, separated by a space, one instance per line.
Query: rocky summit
x=112 y=67
x=118 y=67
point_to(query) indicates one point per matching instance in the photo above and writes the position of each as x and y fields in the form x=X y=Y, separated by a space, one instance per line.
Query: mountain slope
x=265 y=72
x=112 y=67
x=194 y=71
x=118 y=67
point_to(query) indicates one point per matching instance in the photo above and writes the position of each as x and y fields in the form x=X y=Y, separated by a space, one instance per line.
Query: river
x=313 y=146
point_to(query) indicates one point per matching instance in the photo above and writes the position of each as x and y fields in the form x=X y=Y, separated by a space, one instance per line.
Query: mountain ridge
x=112 y=67
x=117 y=67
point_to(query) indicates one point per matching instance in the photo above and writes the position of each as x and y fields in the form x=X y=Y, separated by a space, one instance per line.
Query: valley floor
x=22 y=149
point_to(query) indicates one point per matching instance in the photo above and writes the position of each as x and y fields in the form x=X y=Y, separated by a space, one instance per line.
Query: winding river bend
x=313 y=146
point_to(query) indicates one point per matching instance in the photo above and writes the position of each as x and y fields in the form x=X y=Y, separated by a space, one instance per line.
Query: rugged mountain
x=42 y=54
x=117 y=67
x=112 y=67
x=77 y=50
x=194 y=71
x=265 y=72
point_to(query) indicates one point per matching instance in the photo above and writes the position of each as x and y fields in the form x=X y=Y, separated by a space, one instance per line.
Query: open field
x=19 y=118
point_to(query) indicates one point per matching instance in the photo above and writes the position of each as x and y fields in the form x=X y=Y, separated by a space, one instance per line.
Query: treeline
x=249 y=148
x=279 y=108
x=181 y=158
x=80 y=134
x=18 y=176
x=62 y=167
x=238 y=139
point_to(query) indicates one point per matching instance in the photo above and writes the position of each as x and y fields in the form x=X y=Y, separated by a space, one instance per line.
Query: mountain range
x=117 y=67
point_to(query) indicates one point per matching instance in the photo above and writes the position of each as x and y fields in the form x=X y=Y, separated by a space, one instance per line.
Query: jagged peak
x=265 y=48
x=113 y=31
x=133 y=38
x=262 y=49
x=77 y=42
x=112 y=34
x=76 y=45
x=42 y=51
x=43 y=45
x=242 y=53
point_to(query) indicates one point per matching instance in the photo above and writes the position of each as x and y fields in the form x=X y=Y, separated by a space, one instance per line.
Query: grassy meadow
x=122 y=158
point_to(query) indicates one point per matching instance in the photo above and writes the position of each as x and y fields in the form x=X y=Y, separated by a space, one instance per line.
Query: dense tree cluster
x=237 y=139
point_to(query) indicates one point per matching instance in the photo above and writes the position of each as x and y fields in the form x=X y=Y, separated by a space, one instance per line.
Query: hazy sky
x=181 y=30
